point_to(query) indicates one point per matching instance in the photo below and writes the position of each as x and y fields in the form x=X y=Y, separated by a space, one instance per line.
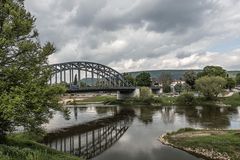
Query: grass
x=23 y=147
x=102 y=99
x=234 y=100
x=160 y=101
x=155 y=101
x=229 y=142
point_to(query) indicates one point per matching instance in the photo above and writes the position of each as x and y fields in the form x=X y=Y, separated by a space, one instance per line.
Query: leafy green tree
x=186 y=87
x=179 y=87
x=213 y=71
x=190 y=77
x=166 y=80
x=129 y=78
x=231 y=83
x=84 y=84
x=211 y=87
x=145 y=92
x=166 y=88
x=186 y=98
x=143 y=79
x=238 y=79
x=26 y=98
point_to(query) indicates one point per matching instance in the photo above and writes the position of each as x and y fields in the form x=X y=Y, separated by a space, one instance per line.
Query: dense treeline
x=210 y=82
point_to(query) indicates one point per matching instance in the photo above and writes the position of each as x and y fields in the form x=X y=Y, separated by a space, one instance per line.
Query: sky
x=133 y=35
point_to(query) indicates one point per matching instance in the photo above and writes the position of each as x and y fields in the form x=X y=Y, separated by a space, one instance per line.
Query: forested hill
x=176 y=74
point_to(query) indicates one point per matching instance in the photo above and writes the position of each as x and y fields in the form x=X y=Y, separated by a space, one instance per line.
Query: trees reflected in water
x=206 y=117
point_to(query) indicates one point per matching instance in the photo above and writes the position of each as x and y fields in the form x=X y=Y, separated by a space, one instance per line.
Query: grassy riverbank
x=233 y=101
x=95 y=99
x=211 y=144
x=24 y=147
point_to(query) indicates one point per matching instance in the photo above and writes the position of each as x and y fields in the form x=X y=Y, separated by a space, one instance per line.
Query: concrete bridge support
x=157 y=91
x=121 y=95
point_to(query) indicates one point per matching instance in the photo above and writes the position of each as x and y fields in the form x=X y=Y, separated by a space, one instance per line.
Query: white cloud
x=140 y=34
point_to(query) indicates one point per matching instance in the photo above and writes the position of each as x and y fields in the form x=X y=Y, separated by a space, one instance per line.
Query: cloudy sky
x=131 y=35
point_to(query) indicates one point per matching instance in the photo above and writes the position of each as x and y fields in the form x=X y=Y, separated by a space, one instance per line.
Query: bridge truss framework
x=96 y=75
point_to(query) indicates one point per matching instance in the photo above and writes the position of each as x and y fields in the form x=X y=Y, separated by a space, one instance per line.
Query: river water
x=103 y=132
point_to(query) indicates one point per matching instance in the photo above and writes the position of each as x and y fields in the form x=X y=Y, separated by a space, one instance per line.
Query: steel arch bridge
x=88 y=76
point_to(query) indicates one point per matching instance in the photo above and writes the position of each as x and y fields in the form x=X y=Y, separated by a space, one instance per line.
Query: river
x=102 y=132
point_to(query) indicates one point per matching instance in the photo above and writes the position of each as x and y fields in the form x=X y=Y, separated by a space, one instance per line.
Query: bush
x=166 y=88
x=145 y=92
x=211 y=86
x=186 y=99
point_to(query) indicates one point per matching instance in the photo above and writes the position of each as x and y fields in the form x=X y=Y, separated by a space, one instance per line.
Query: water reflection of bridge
x=90 y=139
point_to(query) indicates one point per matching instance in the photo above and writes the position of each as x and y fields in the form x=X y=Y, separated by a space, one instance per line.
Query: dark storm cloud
x=158 y=15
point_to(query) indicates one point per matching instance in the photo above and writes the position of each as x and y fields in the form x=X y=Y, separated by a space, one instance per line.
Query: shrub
x=166 y=88
x=211 y=87
x=186 y=99
x=145 y=92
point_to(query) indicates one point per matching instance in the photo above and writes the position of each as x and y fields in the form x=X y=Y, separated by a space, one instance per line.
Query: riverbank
x=209 y=144
x=24 y=147
x=232 y=101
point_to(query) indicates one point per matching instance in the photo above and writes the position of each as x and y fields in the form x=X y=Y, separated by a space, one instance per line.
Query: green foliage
x=213 y=71
x=210 y=87
x=186 y=99
x=233 y=100
x=129 y=78
x=145 y=92
x=143 y=79
x=190 y=77
x=17 y=148
x=83 y=84
x=26 y=99
x=238 y=79
x=231 y=83
x=186 y=87
x=166 y=88
x=179 y=87
x=220 y=141
x=166 y=80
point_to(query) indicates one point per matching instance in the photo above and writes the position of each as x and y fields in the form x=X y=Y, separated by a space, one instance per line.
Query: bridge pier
x=121 y=95
x=157 y=91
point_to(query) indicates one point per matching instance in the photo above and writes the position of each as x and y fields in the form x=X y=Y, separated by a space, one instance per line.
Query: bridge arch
x=87 y=74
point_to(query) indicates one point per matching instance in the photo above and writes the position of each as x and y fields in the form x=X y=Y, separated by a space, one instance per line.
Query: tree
x=186 y=98
x=231 y=83
x=178 y=87
x=186 y=87
x=190 y=77
x=238 y=79
x=213 y=71
x=129 y=78
x=166 y=88
x=143 y=79
x=166 y=78
x=26 y=98
x=75 y=82
x=211 y=87
x=145 y=92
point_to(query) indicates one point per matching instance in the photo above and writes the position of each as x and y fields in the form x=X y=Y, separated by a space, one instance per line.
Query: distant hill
x=176 y=74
